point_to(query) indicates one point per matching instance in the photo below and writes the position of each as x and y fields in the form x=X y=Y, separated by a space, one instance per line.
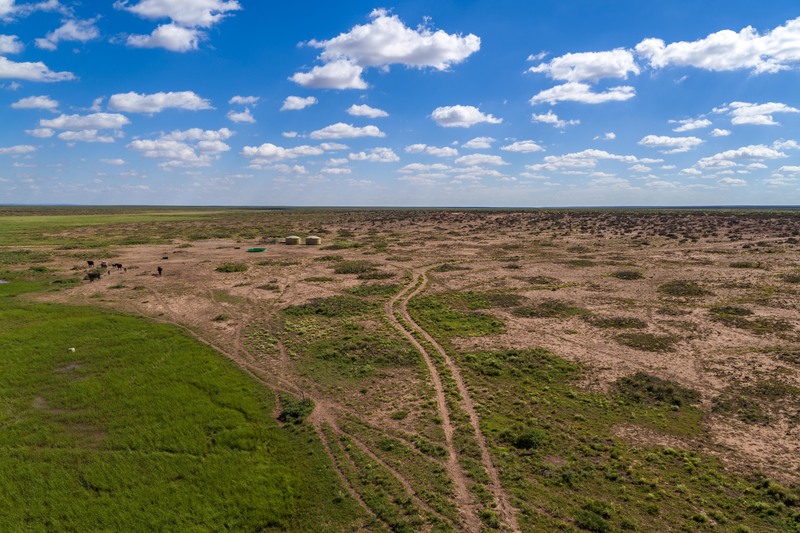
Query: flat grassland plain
x=422 y=370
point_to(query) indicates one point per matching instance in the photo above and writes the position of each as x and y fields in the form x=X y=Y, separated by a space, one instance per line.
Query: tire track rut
x=399 y=304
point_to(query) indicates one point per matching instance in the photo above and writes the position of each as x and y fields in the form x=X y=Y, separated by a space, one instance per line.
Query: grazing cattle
x=93 y=275
x=103 y=264
x=118 y=266
x=165 y=257
x=160 y=270
x=90 y=263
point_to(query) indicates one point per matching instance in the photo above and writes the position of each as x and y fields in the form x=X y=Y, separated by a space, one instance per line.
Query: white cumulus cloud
x=552 y=118
x=93 y=121
x=190 y=148
x=755 y=114
x=717 y=132
x=170 y=37
x=155 y=103
x=583 y=93
x=522 y=147
x=244 y=100
x=270 y=152
x=376 y=155
x=196 y=13
x=444 y=151
x=729 y=158
x=480 y=160
x=70 y=30
x=461 y=116
x=342 y=74
x=89 y=136
x=241 y=116
x=295 y=103
x=17 y=150
x=36 y=102
x=670 y=145
x=340 y=130
x=366 y=111
x=384 y=41
x=10 y=44
x=589 y=66
x=27 y=71
x=775 y=50
x=690 y=124
x=41 y=133
x=479 y=143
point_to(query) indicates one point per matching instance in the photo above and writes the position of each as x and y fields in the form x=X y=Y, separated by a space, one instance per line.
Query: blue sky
x=509 y=103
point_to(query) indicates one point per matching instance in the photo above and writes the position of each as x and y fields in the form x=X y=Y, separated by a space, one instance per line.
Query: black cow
x=90 y=263
x=160 y=270
x=93 y=275
x=118 y=266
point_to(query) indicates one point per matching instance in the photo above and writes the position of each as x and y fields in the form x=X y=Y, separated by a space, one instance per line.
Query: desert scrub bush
x=529 y=440
x=746 y=264
x=682 y=288
x=545 y=281
x=731 y=316
x=342 y=245
x=791 y=278
x=318 y=279
x=360 y=350
x=21 y=257
x=293 y=410
x=334 y=306
x=647 y=342
x=487 y=300
x=433 y=312
x=735 y=317
x=232 y=267
x=580 y=263
x=277 y=262
x=741 y=407
x=269 y=287
x=549 y=309
x=787 y=355
x=651 y=390
x=376 y=274
x=329 y=258
x=627 y=275
x=449 y=267
x=590 y=521
x=374 y=290
x=353 y=267
x=616 y=322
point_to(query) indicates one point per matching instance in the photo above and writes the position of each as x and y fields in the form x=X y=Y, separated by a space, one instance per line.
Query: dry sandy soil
x=745 y=263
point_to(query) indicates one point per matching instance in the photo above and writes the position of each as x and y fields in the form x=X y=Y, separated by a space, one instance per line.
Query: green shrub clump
x=682 y=288
x=232 y=267
x=652 y=390
x=549 y=309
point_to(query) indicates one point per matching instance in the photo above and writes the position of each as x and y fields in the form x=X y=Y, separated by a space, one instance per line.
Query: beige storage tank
x=313 y=240
x=292 y=239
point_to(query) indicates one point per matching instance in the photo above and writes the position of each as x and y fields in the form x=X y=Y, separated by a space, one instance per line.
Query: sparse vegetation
x=232 y=267
x=627 y=275
x=648 y=389
x=682 y=288
x=335 y=306
x=576 y=447
x=647 y=342
x=549 y=309
x=616 y=322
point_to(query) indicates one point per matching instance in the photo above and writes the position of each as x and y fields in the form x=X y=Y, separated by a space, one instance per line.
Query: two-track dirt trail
x=398 y=307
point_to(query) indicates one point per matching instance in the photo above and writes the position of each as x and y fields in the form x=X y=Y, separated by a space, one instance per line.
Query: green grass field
x=142 y=428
